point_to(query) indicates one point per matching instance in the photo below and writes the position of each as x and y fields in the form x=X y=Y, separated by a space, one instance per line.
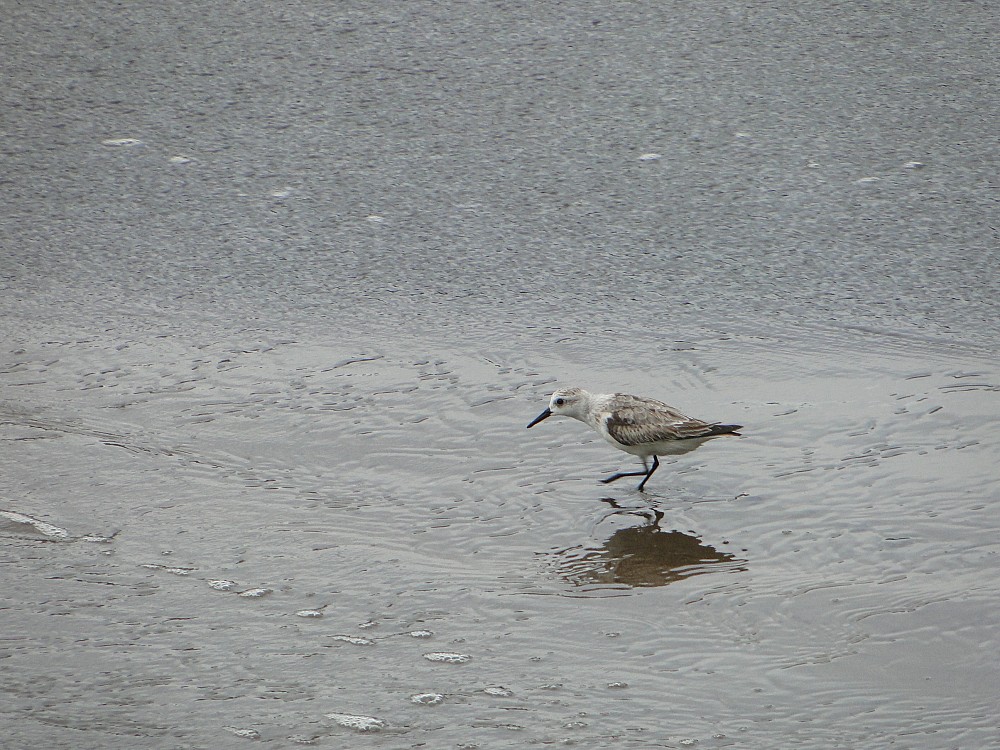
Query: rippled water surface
x=277 y=307
x=203 y=539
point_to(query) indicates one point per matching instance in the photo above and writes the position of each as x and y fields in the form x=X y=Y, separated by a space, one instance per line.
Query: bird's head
x=566 y=402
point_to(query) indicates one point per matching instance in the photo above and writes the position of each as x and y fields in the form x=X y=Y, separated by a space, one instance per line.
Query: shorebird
x=641 y=426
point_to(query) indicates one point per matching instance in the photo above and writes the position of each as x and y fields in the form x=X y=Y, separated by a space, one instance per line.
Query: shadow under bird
x=641 y=426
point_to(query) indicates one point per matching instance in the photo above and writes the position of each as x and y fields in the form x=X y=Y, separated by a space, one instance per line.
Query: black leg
x=615 y=477
x=622 y=474
x=654 y=467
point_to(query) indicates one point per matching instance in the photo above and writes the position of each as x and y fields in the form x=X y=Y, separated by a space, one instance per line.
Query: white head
x=566 y=402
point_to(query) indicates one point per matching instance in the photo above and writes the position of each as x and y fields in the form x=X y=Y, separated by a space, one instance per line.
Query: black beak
x=544 y=415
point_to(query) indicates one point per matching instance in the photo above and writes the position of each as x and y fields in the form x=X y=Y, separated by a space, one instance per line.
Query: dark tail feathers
x=725 y=429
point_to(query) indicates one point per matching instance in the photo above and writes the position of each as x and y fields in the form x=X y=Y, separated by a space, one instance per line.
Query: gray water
x=283 y=285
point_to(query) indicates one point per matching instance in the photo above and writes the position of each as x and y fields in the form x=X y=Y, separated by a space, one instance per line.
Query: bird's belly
x=660 y=447
x=677 y=447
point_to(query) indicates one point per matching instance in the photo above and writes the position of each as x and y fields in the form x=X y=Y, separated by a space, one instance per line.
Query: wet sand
x=283 y=287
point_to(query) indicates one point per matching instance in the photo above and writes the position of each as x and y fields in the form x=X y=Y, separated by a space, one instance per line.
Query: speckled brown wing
x=636 y=421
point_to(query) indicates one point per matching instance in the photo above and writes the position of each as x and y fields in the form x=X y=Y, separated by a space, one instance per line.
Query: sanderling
x=641 y=426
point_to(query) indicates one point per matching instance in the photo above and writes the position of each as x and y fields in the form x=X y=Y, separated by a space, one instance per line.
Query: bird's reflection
x=643 y=554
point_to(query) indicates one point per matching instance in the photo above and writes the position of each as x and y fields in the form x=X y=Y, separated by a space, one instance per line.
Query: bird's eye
x=560 y=401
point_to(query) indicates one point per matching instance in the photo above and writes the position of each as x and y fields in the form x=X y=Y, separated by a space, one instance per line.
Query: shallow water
x=267 y=354
x=252 y=540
